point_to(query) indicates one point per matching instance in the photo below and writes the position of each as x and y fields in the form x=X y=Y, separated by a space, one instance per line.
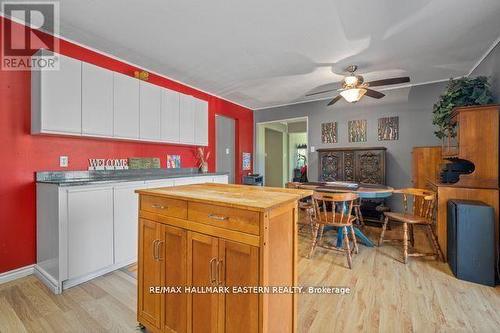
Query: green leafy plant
x=459 y=92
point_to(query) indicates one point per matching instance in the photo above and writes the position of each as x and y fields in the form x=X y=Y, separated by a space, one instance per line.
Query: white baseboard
x=16 y=273
x=76 y=281
x=47 y=280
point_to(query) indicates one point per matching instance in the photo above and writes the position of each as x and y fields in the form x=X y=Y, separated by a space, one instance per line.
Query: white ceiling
x=262 y=53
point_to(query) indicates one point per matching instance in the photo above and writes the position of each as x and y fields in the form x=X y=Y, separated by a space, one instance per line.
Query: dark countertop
x=76 y=178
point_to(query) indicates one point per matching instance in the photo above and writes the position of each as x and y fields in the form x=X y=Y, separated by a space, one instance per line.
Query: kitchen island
x=217 y=235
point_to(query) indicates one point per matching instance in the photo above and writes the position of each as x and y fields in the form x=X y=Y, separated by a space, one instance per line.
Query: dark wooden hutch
x=356 y=164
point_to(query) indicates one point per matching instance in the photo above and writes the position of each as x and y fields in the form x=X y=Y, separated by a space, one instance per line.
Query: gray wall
x=490 y=66
x=412 y=105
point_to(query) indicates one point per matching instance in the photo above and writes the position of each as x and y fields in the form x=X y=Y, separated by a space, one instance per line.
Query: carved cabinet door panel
x=370 y=166
x=330 y=166
x=349 y=167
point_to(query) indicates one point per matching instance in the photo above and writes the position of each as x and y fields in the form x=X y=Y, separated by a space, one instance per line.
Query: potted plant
x=459 y=92
x=202 y=159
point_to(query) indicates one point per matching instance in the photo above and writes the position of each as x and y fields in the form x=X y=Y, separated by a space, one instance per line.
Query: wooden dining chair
x=418 y=210
x=306 y=206
x=335 y=209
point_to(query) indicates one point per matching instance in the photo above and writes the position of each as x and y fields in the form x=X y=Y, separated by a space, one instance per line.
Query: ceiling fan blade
x=374 y=94
x=321 y=92
x=386 y=82
x=335 y=100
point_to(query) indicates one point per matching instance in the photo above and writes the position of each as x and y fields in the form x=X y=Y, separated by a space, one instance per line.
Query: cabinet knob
x=218 y=217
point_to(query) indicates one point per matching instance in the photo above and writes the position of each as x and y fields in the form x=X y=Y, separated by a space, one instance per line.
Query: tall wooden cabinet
x=425 y=165
x=477 y=141
x=217 y=236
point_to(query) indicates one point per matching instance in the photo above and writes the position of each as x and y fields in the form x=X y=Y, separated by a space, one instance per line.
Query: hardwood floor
x=386 y=296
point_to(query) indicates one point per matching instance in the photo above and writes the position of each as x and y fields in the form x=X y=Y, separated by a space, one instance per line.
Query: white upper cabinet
x=82 y=99
x=56 y=97
x=126 y=106
x=97 y=100
x=186 y=123
x=170 y=116
x=150 y=106
x=201 y=122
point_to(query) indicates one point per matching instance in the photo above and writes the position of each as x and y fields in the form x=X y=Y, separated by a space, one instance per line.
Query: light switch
x=313 y=149
x=227 y=151
x=63 y=161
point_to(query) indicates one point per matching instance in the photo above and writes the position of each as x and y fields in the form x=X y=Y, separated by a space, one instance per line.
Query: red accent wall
x=22 y=154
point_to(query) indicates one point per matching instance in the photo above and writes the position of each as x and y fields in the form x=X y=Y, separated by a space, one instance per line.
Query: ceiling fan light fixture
x=351 y=80
x=353 y=95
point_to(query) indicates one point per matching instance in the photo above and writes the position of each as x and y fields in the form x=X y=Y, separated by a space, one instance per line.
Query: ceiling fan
x=354 y=87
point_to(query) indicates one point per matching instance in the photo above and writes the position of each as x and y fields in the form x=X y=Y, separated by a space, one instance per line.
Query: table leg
x=361 y=237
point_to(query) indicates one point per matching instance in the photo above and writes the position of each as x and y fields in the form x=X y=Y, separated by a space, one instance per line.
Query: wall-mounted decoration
x=142 y=75
x=173 y=161
x=357 y=130
x=144 y=162
x=247 y=161
x=388 y=128
x=329 y=132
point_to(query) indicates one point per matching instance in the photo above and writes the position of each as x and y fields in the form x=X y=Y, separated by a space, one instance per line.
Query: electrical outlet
x=63 y=161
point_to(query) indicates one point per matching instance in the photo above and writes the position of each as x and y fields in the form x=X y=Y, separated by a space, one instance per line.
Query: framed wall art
x=357 y=130
x=329 y=132
x=388 y=128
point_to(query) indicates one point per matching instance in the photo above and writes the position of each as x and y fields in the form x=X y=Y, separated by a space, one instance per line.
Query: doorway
x=274 y=158
x=225 y=143
x=281 y=153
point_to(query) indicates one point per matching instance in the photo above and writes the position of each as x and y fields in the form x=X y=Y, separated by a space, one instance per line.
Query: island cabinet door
x=149 y=274
x=173 y=254
x=238 y=266
x=202 y=272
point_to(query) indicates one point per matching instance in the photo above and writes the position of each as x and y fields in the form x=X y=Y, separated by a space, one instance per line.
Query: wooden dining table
x=365 y=191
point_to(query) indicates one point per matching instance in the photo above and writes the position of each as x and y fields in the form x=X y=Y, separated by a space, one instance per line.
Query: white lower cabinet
x=126 y=210
x=90 y=230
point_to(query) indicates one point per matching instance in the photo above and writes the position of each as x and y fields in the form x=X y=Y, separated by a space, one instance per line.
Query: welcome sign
x=108 y=164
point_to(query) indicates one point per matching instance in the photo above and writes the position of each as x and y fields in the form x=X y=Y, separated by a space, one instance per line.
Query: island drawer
x=164 y=206
x=224 y=217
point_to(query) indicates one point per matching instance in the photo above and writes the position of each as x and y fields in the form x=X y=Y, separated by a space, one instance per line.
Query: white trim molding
x=16 y=273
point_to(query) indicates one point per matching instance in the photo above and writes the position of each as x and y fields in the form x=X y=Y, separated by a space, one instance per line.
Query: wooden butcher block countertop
x=254 y=198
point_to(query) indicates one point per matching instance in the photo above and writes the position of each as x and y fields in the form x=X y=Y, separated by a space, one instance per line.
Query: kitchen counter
x=77 y=178
x=257 y=198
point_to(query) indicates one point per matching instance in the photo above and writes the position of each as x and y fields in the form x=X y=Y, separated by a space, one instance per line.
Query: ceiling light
x=351 y=80
x=353 y=95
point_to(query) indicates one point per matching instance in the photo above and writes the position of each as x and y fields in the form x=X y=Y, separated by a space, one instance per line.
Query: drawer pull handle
x=157 y=206
x=218 y=217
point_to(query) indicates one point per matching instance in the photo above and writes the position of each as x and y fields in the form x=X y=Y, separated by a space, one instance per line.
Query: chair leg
x=434 y=243
x=347 y=247
x=314 y=240
x=405 y=243
x=353 y=235
x=412 y=235
x=384 y=226
x=311 y=222
x=361 y=219
x=321 y=228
